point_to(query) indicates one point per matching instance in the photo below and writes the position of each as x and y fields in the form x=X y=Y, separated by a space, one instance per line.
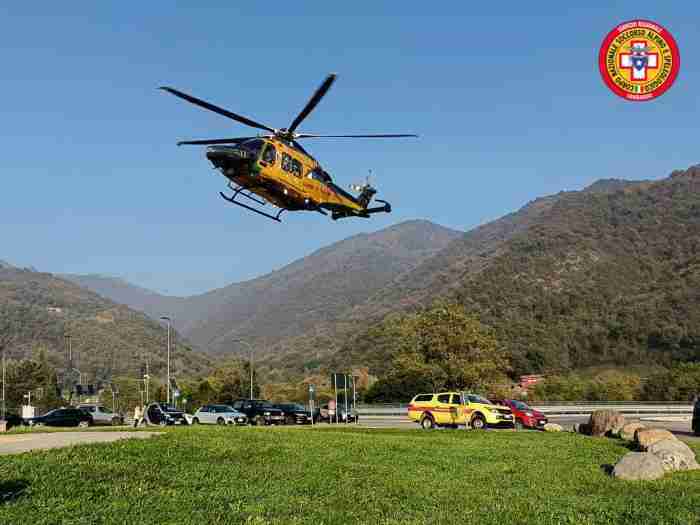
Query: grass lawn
x=208 y=475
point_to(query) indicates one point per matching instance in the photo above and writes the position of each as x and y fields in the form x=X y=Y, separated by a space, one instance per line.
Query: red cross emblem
x=639 y=60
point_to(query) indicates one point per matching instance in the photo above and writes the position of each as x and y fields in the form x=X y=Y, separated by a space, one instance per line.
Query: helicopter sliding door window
x=296 y=168
x=270 y=155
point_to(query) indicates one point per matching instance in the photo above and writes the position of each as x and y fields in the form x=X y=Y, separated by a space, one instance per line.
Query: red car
x=523 y=414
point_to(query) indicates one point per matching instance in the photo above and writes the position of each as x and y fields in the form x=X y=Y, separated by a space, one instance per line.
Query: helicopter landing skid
x=238 y=191
x=378 y=209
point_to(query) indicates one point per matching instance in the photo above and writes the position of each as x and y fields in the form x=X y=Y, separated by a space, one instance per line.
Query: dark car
x=524 y=416
x=294 y=413
x=162 y=414
x=62 y=417
x=696 y=417
x=259 y=411
x=12 y=420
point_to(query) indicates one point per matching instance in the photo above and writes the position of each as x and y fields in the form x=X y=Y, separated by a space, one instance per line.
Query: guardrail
x=559 y=409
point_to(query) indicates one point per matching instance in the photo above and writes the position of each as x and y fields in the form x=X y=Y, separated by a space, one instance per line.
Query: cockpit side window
x=270 y=155
x=296 y=168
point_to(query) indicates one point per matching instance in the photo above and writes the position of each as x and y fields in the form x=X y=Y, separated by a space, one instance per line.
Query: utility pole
x=250 y=352
x=167 y=319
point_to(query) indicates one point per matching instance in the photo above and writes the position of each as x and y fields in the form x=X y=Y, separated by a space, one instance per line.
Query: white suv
x=101 y=415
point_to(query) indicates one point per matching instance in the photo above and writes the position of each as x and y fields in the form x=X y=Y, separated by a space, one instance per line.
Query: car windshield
x=265 y=404
x=292 y=406
x=105 y=410
x=520 y=405
x=478 y=399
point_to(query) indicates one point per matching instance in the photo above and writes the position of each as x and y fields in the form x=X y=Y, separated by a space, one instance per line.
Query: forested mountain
x=320 y=288
x=607 y=275
x=38 y=309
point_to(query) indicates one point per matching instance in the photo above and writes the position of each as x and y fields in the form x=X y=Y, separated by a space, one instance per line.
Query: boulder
x=552 y=427
x=606 y=422
x=638 y=466
x=674 y=455
x=627 y=432
x=645 y=437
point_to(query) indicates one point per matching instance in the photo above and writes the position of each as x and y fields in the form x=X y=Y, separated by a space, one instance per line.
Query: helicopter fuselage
x=282 y=175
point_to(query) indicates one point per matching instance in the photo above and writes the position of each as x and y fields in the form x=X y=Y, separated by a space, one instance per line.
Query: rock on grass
x=639 y=466
x=645 y=437
x=605 y=422
x=674 y=455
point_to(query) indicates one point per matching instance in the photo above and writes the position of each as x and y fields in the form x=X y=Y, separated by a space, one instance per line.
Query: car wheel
x=162 y=422
x=478 y=422
x=220 y=421
x=195 y=421
x=116 y=421
x=519 y=425
x=259 y=421
x=83 y=424
x=289 y=420
x=427 y=422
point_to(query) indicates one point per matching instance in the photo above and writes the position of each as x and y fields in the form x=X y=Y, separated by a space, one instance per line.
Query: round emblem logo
x=639 y=60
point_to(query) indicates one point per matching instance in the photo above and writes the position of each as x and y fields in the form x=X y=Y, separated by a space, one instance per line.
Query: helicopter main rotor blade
x=206 y=142
x=313 y=101
x=211 y=107
x=312 y=136
x=301 y=148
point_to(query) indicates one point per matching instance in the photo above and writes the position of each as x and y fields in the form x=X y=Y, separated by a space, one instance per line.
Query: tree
x=441 y=347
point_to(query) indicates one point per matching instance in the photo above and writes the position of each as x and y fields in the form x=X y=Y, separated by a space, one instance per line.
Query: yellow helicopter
x=275 y=168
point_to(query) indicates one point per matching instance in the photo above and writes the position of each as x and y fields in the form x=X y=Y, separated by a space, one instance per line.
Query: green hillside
x=37 y=309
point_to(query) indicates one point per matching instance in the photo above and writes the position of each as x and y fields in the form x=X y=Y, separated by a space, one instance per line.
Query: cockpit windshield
x=252 y=146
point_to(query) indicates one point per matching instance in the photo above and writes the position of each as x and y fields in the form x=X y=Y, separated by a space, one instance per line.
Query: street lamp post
x=167 y=319
x=250 y=351
x=3 y=384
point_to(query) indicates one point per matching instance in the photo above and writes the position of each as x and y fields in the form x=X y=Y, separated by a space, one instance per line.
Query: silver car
x=219 y=415
x=101 y=415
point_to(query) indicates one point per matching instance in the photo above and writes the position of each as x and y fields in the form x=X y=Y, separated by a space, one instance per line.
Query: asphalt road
x=18 y=443
x=679 y=425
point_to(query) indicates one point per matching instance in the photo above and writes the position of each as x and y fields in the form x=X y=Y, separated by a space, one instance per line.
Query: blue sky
x=507 y=99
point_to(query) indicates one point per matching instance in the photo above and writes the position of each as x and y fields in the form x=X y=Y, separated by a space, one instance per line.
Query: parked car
x=62 y=417
x=696 y=417
x=327 y=415
x=523 y=415
x=219 y=415
x=102 y=415
x=452 y=409
x=294 y=413
x=162 y=414
x=259 y=411
x=12 y=420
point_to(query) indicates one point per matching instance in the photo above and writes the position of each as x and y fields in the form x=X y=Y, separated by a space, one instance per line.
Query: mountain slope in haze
x=606 y=275
x=316 y=289
x=120 y=291
x=38 y=309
